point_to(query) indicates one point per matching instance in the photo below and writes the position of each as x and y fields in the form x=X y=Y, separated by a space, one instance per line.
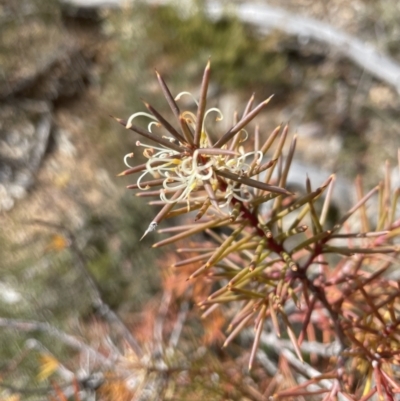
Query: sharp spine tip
x=152 y=227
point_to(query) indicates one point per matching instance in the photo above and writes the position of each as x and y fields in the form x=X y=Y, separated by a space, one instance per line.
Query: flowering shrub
x=320 y=293
x=312 y=305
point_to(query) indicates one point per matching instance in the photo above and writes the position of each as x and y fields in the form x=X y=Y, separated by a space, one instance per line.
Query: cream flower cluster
x=190 y=173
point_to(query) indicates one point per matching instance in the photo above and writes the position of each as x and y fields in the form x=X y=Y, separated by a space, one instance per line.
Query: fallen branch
x=267 y=18
x=71 y=341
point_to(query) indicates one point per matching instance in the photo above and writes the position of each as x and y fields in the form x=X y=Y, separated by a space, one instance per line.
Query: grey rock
x=24 y=134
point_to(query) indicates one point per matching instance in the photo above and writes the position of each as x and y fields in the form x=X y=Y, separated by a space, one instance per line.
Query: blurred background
x=66 y=66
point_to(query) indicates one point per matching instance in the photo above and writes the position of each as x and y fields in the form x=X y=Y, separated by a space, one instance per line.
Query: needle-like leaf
x=241 y=124
x=165 y=123
x=150 y=136
x=202 y=105
x=252 y=183
x=170 y=99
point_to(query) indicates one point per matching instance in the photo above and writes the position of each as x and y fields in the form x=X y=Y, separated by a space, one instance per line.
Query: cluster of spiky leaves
x=270 y=256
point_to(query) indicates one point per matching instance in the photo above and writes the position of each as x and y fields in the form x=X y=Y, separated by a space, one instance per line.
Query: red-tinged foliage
x=258 y=277
x=330 y=288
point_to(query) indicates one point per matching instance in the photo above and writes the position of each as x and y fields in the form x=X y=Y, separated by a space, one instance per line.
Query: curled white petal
x=156 y=123
x=179 y=95
x=129 y=155
x=215 y=109
x=140 y=179
x=245 y=136
x=134 y=115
